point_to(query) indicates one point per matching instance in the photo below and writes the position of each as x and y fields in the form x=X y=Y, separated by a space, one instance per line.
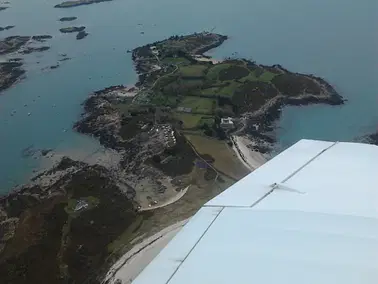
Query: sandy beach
x=251 y=159
x=128 y=267
x=202 y=58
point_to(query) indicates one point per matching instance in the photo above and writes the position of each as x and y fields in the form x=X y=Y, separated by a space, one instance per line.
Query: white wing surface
x=310 y=215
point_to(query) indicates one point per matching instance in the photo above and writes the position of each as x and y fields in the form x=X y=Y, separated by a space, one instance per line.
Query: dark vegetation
x=182 y=160
x=131 y=124
x=294 y=85
x=70 y=247
x=233 y=73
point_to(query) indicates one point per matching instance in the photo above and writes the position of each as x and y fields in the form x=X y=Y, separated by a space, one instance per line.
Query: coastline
x=251 y=159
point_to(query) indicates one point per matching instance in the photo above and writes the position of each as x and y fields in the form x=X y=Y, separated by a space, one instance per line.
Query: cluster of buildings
x=168 y=136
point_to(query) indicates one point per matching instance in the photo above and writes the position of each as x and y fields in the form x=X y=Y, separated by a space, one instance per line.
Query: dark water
x=334 y=39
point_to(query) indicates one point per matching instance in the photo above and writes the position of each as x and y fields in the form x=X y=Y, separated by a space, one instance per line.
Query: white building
x=227 y=123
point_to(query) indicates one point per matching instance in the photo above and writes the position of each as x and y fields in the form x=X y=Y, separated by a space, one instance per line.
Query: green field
x=175 y=60
x=199 y=105
x=193 y=121
x=160 y=99
x=226 y=160
x=235 y=86
x=194 y=70
x=213 y=72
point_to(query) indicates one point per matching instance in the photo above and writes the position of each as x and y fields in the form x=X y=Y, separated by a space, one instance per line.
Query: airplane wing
x=309 y=215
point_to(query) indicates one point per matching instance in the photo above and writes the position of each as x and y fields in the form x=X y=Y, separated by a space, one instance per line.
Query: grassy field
x=213 y=72
x=160 y=99
x=228 y=91
x=197 y=104
x=175 y=60
x=195 y=70
x=192 y=121
x=225 y=158
x=265 y=76
x=189 y=120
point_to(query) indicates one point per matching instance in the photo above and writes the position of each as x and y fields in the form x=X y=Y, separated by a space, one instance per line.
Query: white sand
x=251 y=159
x=128 y=267
x=205 y=59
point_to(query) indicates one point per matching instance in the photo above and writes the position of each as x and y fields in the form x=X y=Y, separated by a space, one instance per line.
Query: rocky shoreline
x=100 y=119
x=10 y=73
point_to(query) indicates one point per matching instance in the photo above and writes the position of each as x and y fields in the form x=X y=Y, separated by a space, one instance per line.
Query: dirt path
x=170 y=201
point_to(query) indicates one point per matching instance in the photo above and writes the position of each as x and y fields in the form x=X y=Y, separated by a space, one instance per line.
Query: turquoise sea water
x=336 y=39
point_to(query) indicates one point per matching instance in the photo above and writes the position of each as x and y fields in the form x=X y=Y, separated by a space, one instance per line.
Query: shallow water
x=337 y=41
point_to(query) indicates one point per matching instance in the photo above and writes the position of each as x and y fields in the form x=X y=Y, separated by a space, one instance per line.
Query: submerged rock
x=81 y=35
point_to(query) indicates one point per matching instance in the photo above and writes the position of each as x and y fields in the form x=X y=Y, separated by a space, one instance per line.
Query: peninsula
x=172 y=134
x=70 y=4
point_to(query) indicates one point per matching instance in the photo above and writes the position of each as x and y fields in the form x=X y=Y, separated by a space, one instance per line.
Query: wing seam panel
x=200 y=238
x=276 y=185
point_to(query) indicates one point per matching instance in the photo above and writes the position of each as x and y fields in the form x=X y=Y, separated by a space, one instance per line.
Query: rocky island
x=172 y=133
x=72 y=29
x=81 y=35
x=6 y=28
x=70 y=4
x=11 y=71
x=67 y=19
x=12 y=44
x=198 y=91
